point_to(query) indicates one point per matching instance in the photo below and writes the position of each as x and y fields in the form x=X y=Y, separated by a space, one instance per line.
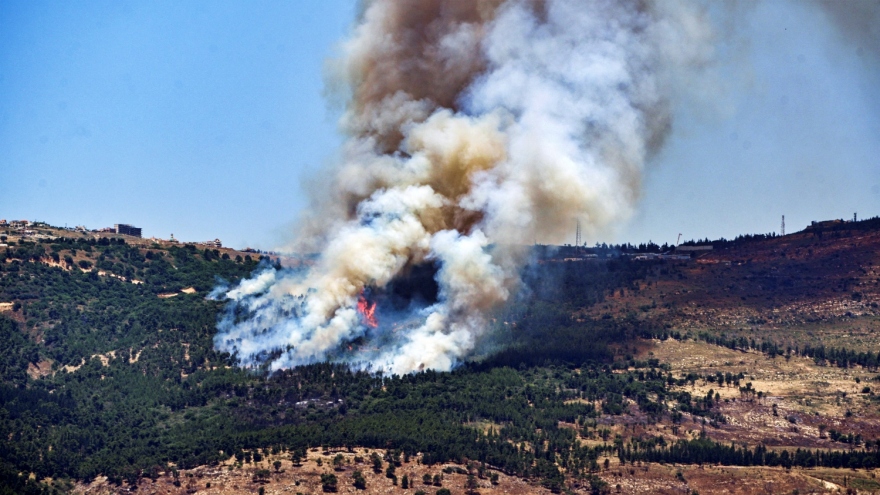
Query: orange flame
x=367 y=311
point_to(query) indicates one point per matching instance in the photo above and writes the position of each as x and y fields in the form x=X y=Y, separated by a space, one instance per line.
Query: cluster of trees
x=838 y=228
x=80 y=314
x=120 y=421
x=16 y=353
x=601 y=250
x=705 y=451
x=162 y=270
x=839 y=356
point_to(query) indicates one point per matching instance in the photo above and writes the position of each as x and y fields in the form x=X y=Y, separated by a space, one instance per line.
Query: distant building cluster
x=119 y=228
x=24 y=228
x=15 y=224
x=828 y=224
x=214 y=244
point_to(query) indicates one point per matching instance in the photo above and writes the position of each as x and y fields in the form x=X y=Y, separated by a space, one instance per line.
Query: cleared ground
x=799 y=404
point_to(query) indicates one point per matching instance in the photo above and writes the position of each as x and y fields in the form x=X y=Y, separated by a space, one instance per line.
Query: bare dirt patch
x=104 y=358
x=799 y=403
x=39 y=370
x=133 y=357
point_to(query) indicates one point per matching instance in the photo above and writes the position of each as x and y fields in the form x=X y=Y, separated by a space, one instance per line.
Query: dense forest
x=123 y=382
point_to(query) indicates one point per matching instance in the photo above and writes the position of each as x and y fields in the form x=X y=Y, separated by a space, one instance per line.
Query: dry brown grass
x=807 y=397
x=230 y=478
x=234 y=479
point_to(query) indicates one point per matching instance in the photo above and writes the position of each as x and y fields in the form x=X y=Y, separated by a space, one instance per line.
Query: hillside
x=820 y=289
x=760 y=355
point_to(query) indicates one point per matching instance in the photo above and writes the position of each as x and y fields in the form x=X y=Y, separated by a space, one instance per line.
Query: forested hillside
x=107 y=368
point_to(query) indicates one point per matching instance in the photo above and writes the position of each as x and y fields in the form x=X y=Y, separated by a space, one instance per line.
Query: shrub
x=359 y=481
x=329 y=483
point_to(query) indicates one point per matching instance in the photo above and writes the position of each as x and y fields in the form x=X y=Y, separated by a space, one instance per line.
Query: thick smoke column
x=474 y=126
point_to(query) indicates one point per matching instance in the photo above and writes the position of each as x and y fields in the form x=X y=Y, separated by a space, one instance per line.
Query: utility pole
x=783 y=225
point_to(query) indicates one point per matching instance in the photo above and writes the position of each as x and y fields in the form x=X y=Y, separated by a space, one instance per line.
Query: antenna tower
x=577 y=235
x=783 y=225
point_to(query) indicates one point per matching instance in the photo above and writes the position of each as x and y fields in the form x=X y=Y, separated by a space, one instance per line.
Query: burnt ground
x=797 y=289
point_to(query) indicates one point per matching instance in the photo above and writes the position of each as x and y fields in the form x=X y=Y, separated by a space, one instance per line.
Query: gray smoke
x=858 y=21
x=474 y=126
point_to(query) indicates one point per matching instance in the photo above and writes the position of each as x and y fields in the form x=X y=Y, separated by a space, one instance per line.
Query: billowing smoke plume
x=474 y=126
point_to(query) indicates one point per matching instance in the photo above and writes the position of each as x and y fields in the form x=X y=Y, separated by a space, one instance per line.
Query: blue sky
x=192 y=118
x=204 y=119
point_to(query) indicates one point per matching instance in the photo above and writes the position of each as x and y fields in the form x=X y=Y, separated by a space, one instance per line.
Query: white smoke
x=474 y=126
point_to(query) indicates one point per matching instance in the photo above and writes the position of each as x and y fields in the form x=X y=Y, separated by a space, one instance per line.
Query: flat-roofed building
x=124 y=229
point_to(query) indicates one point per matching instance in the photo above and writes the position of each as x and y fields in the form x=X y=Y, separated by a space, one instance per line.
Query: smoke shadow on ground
x=542 y=324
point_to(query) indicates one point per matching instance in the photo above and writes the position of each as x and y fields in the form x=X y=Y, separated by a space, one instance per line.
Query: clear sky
x=794 y=130
x=184 y=117
x=203 y=119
